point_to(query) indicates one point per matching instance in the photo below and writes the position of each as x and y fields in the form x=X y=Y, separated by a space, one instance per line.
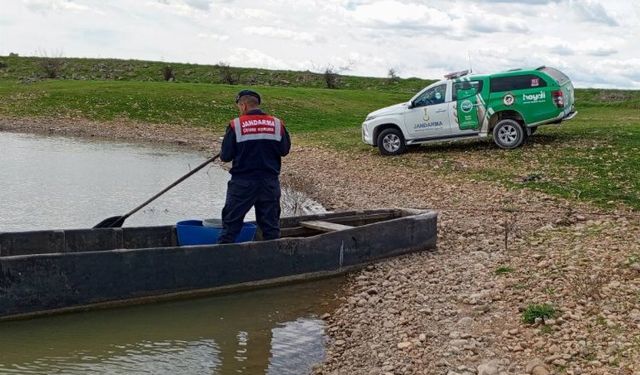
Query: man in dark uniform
x=255 y=142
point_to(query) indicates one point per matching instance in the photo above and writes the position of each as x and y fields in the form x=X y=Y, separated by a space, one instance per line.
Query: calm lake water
x=269 y=331
x=56 y=182
x=53 y=182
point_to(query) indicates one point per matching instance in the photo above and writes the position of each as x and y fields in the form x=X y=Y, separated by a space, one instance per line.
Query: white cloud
x=202 y=5
x=255 y=58
x=591 y=40
x=44 y=6
x=395 y=14
x=241 y=13
x=591 y=11
x=199 y=4
x=274 y=32
x=213 y=36
x=601 y=51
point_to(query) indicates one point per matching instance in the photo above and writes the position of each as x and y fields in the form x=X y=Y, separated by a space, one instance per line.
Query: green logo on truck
x=467 y=108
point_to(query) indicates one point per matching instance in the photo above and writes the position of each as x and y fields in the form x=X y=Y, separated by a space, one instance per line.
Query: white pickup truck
x=508 y=105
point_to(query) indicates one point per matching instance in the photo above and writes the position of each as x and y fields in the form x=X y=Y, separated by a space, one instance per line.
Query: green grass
x=608 y=98
x=594 y=158
x=543 y=311
x=334 y=113
x=546 y=329
x=503 y=270
x=20 y=68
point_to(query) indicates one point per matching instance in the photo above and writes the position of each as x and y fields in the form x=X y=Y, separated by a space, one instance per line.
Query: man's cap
x=247 y=92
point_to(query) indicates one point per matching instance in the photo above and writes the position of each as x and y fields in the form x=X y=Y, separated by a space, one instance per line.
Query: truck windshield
x=434 y=95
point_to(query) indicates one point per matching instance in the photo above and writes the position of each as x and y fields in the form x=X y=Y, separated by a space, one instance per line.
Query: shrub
x=331 y=78
x=51 y=66
x=226 y=73
x=168 y=73
x=589 y=285
x=3 y=64
x=504 y=269
x=393 y=76
x=543 y=311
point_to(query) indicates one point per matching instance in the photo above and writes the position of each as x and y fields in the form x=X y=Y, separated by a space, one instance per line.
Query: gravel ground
x=459 y=309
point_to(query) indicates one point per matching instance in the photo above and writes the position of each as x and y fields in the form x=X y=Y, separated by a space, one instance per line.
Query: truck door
x=428 y=116
x=468 y=104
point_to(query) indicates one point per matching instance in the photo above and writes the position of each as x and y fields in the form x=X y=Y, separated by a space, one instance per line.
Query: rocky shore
x=521 y=282
x=460 y=310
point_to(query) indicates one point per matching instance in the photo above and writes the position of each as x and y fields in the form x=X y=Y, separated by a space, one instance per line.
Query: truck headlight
x=370 y=117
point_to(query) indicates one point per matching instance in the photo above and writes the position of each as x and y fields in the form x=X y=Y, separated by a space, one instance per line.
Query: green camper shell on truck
x=509 y=106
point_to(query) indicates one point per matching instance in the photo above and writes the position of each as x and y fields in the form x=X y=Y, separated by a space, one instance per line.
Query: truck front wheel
x=391 y=142
x=508 y=134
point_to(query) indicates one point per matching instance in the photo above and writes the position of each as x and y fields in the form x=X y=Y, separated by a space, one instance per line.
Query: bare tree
x=52 y=65
x=393 y=75
x=331 y=74
x=331 y=77
x=226 y=73
x=168 y=73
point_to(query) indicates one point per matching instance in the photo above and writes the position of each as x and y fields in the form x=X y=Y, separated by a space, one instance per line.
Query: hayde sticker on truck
x=534 y=98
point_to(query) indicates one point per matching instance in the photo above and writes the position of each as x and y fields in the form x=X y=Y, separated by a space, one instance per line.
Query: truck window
x=520 y=82
x=477 y=85
x=434 y=95
x=555 y=74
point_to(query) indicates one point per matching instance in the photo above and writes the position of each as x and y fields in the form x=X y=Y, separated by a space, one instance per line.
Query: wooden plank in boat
x=324 y=226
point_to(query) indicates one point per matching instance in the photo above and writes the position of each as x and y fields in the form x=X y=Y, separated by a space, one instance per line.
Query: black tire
x=391 y=142
x=508 y=134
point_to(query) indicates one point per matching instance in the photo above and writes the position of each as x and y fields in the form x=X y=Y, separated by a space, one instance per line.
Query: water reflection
x=271 y=331
x=56 y=182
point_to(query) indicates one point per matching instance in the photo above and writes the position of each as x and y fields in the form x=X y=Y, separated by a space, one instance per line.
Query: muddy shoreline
x=457 y=310
x=198 y=139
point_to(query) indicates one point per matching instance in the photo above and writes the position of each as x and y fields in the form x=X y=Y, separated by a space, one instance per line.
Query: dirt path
x=459 y=310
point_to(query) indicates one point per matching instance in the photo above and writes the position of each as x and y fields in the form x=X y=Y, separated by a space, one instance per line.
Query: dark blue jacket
x=255 y=143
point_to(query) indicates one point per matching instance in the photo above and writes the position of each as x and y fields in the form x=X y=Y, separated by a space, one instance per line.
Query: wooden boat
x=43 y=272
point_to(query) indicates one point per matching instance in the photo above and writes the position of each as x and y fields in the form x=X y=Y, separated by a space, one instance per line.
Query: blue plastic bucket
x=192 y=232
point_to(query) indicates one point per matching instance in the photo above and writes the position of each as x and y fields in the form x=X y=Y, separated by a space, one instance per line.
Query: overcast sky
x=595 y=42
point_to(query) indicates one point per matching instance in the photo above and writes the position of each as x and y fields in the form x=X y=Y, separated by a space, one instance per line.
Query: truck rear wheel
x=391 y=142
x=508 y=134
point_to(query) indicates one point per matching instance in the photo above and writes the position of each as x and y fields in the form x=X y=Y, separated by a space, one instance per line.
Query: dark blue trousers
x=264 y=195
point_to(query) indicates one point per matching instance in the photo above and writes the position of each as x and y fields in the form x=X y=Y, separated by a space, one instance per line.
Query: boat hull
x=63 y=276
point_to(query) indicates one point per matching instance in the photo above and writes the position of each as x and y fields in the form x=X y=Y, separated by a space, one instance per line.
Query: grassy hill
x=30 y=69
x=595 y=157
